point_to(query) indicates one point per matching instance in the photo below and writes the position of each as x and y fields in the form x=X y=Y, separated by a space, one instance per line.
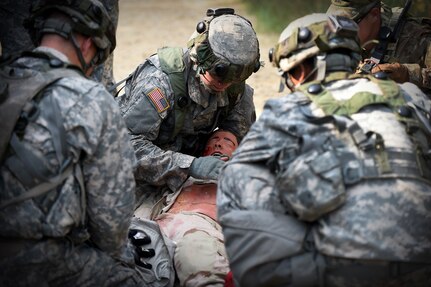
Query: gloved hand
x=138 y=238
x=206 y=167
x=396 y=71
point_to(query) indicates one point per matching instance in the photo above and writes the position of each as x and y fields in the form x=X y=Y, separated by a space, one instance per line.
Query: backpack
x=18 y=90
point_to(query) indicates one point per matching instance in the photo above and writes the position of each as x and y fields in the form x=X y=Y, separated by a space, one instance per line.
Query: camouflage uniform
x=43 y=237
x=163 y=161
x=200 y=257
x=150 y=109
x=304 y=202
x=15 y=38
x=413 y=46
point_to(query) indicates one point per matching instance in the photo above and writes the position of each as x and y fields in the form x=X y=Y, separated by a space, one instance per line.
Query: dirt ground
x=146 y=25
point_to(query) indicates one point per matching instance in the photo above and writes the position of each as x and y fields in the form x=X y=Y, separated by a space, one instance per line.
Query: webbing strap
x=28 y=166
x=80 y=178
x=21 y=89
x=40 y=189
x=172 y=63
x=56 y=128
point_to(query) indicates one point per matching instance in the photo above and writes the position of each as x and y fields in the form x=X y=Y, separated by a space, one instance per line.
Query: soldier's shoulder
x=83 y=86
x=287 y=102
x=148 y=76
x=285 y=108
x=413 y=93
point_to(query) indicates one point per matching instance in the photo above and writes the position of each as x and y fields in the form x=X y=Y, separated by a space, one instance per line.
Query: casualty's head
x=221 y=144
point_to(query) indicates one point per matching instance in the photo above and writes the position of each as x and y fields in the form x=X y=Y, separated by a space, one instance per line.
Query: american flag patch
x=159 y=101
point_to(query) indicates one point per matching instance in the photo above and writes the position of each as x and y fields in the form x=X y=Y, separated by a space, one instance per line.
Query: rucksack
x=18 y=89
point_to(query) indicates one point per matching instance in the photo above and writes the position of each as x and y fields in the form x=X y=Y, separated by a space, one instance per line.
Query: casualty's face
x=221 y=144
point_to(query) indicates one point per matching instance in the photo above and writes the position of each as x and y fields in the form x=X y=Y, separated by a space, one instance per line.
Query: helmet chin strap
x=84 y=65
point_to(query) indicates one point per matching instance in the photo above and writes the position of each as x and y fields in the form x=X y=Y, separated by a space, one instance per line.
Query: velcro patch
x=158 y=99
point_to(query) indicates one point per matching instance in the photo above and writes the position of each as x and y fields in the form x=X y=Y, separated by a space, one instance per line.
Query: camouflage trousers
x=62 y=263
x=200 y=258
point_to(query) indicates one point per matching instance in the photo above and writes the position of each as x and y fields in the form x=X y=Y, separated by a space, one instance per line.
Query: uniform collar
x=52 y=53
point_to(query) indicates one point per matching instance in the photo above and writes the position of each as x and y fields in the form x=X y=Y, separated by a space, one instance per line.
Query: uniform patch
x=158 y=99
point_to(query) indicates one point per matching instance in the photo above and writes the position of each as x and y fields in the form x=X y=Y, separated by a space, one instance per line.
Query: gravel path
x=146 y=25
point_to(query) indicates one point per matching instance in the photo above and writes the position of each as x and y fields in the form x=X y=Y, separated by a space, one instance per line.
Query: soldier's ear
x=88 y=48
x=375 y=15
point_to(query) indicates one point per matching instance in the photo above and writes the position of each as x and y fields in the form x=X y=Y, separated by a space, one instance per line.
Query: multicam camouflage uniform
x=43 y=238
x=311 y=197
x=413 y=46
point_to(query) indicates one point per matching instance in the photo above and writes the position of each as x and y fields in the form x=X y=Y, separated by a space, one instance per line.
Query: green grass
x=275 y=15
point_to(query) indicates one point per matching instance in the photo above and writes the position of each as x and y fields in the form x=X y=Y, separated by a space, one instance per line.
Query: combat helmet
x=225 y=44
x=87 y=17
x=353 y=9
x=316 y=36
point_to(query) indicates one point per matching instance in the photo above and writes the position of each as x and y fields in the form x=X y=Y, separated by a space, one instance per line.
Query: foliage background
x=275 y=15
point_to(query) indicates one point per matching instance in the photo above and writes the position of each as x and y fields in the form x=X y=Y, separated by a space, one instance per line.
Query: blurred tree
x=275 y=15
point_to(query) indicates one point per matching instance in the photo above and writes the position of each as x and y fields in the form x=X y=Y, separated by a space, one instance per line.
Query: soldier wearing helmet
x=327 y=187
x=67 y=189
x=15 y=36
x=393 y=40
x=178 y=97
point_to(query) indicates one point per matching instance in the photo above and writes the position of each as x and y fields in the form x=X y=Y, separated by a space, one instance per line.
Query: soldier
x=331 y=186
x=66 y=180
x=407 y=56
x=15 y=38
x=178 y=97
x=189 y=219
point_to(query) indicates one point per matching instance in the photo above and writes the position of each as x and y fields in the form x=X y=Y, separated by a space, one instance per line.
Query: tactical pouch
x=312 y=185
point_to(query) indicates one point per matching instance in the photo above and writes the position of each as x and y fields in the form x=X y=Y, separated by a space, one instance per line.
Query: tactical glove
x=138 y=238
x=396 y=71
x=207 y=167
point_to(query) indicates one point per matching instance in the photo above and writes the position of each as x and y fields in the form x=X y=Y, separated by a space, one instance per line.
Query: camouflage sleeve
x=413 y=51
x=143 y=119
x=420 y=75
x=242 y=116
x=158 y=166
x=97 y=129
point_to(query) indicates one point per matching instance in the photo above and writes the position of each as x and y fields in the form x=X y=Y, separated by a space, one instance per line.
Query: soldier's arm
x=158 y=166
x=99 y=131
x=144 y=119
x=421 y=75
